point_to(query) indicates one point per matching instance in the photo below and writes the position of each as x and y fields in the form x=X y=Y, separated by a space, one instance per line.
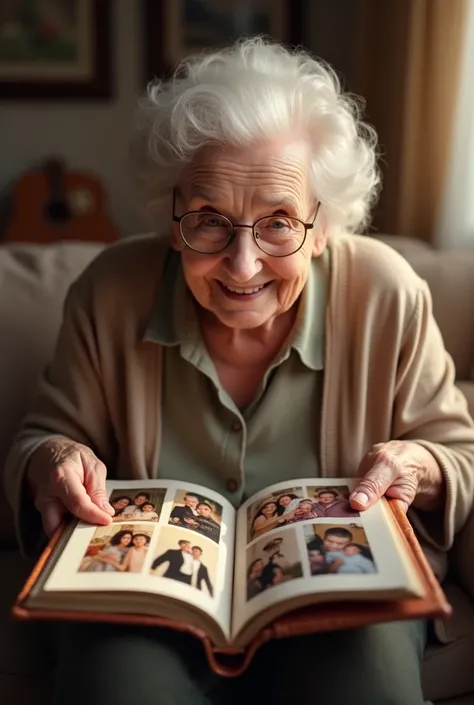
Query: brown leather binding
x=309 y=620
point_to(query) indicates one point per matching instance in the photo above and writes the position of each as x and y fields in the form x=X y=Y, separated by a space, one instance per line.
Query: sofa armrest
x=462 y=553
x=461 y=556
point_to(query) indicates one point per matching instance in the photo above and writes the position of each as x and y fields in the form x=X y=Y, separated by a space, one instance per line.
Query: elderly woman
x=258 y=341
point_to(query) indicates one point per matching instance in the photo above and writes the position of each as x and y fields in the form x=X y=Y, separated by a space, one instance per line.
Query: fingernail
x=108 y=508
x=360 y=498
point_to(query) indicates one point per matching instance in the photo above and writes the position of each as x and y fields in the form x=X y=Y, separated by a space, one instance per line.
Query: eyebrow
x=280 y=200
x=275 y=201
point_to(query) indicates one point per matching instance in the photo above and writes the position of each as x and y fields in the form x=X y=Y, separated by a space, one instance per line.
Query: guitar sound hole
x=58 y=211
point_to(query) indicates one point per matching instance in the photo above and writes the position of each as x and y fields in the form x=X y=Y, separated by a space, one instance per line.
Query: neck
x=246 y=347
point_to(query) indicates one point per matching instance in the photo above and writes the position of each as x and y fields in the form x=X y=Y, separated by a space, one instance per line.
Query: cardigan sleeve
x=432 y=411
x=69 y=402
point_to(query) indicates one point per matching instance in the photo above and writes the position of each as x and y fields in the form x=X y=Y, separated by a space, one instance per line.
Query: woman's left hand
x=403 y=470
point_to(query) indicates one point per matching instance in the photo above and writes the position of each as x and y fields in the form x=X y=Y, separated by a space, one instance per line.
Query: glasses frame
x=179 y=218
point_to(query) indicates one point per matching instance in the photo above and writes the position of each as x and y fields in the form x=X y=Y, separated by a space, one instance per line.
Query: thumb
x=95 y=474
x=372 y=486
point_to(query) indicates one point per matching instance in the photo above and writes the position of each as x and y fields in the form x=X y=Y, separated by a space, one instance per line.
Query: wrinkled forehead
x=277 y=173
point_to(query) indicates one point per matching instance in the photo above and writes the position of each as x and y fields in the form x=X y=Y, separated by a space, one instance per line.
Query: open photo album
x=294 y=558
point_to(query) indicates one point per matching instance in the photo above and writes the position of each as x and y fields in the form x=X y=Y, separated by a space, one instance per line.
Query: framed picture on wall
x=55 y=49
x=175 y=29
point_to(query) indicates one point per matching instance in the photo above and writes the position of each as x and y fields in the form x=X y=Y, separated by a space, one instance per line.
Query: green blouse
x=206 y=439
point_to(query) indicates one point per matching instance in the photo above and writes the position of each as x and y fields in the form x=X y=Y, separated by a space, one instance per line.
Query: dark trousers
x=377 y=665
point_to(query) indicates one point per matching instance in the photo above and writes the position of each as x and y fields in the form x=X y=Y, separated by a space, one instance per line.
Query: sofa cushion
x=450 y=652
x=33 y=283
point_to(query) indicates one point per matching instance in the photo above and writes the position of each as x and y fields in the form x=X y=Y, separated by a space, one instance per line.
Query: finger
x=375 y=482
x=402 y=504
x=94 y=482
x=72 y=493
x=52 y=513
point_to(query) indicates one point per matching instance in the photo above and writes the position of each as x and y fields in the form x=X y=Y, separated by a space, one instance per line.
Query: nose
x=243 y=258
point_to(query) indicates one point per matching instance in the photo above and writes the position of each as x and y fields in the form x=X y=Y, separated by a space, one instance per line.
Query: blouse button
x=232 y=485
x=237 y=426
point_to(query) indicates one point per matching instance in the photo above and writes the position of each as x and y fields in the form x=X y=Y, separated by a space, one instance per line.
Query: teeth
x=253 y=290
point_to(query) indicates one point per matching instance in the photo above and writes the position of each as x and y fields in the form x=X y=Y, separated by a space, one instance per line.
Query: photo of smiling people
x=273 y=511
x=117 y=549
x=137 y=505
x=331 y=502
x=198 y=513
x=272 y=561
x=341 y=549
x=179 y=555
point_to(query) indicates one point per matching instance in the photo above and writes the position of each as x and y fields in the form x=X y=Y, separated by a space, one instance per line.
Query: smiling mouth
x=243 y=291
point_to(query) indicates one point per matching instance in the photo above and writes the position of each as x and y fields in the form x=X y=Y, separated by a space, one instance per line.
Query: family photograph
x=137 y=505
x=198 y=513
x=117 y=549
x=272 y=562
x=341 y=549
x=180 y=556
x=295 y=505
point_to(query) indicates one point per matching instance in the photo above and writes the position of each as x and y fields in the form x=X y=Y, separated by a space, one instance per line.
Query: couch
x=33 y=283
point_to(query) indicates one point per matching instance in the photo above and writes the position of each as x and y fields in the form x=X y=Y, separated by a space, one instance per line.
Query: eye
x=278 y=223
x=209 y=220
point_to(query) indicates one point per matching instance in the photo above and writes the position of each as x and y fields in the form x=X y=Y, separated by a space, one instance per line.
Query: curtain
x=455 y=226
x=408 y=56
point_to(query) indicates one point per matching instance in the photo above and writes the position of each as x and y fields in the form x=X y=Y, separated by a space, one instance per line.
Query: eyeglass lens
x=210 y=233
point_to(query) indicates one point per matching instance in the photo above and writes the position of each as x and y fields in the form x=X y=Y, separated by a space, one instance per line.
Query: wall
x=96 y=136
x=329 y=33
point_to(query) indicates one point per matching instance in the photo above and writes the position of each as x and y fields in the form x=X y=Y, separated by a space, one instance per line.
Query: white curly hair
x=245 y=93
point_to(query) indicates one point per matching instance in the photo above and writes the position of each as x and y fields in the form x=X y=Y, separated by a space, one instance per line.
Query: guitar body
x=54 y=204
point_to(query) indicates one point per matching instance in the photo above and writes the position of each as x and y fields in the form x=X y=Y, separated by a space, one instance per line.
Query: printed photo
x=181 y=556
x=331 y=502
x=117 y=549
x=198 y=513
x=342 y=549
x=273 y=511
x=272 y=561
x=137 y=505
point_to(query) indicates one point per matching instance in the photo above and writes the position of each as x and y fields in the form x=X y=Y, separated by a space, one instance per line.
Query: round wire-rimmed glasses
x=209 y=233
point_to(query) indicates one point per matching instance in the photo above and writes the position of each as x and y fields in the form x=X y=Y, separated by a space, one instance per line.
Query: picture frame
x=174 y=29
x=56 y=49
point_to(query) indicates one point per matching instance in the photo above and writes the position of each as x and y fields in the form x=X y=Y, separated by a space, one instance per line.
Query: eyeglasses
x=210 y=233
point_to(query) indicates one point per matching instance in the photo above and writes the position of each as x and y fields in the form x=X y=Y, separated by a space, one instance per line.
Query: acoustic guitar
x=53 y=204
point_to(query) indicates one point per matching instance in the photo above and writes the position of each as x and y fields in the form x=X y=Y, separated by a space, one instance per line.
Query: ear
x=176 y=240
x=319 y=243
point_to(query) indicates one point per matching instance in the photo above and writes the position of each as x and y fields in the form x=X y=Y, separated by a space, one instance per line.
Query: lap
x=376 y=665
x=99 y=663
x=379 y=664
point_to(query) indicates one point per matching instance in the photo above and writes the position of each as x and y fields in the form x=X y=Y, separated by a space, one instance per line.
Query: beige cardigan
x=387 y=376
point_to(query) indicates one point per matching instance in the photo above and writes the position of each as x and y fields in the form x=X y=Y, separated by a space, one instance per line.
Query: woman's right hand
x=65 y=476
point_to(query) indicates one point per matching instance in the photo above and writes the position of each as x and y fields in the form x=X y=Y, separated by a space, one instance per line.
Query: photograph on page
x=271 y=561
x=197 y=512
x=331 y=502
x=144 y=504
x=183 y=556
x=338 y=549
x=273 y=511
x=118 y=548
